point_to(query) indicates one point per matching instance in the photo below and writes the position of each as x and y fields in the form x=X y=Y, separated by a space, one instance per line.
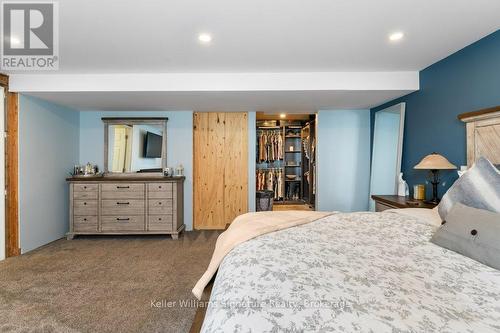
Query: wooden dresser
x=119 y=205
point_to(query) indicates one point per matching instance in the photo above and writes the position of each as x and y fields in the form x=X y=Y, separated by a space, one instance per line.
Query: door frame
x=11 y=169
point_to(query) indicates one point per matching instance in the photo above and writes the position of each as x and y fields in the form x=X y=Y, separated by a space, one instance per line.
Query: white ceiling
x=267 y=35
x=258 y=36
x=269 y=101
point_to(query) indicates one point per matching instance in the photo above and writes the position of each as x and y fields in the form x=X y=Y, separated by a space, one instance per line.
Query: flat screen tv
x=152 y=145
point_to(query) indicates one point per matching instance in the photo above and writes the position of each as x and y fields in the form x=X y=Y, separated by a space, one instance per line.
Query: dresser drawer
x=85 y=223
x=122 y=207
x=85 y=187
x=161 y=222
x=160 y=206
x=122 y=191
x=122 y=223
x=160 y=190
x=85 y=207
x=82 y=195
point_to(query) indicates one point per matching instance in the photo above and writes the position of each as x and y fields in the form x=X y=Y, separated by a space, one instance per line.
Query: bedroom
x=122 y=252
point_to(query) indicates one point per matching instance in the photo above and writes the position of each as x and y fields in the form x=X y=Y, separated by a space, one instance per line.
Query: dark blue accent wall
x=467 y=80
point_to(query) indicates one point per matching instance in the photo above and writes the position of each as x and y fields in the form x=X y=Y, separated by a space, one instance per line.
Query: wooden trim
x=11 y=170
x=4 y=80
x=135 y=120
x=12 y=175
x=479 y=114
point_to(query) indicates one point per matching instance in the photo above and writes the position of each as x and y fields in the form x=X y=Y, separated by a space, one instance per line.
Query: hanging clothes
x=280 y=150
x=271 y=180
x=258 y=179
x=262 y=147
x=306 y=148
x=270 y=146
x=270 y=150
x=280 y=183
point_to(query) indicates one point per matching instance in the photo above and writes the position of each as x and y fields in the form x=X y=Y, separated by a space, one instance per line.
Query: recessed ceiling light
x=396 y=36
x=282 y=115
x=205 y=38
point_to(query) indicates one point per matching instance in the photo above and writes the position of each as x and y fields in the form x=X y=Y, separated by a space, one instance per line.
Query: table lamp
x=434 y=162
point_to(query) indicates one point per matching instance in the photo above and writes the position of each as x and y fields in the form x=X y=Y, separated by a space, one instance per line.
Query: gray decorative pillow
x=479 y=187
x=474 y=233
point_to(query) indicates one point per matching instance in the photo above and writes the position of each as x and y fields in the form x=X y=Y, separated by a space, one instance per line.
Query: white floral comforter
x=355 y=272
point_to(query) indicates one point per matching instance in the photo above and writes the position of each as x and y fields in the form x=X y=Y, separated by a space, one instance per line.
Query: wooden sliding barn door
x=220 y=168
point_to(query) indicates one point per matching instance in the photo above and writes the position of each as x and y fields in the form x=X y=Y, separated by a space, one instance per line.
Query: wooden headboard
x=483 y=134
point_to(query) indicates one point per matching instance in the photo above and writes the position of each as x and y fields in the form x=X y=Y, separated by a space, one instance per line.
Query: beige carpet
x=104 y=284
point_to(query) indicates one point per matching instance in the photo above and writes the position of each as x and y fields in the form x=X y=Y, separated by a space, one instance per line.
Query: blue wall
x=48 y=148
x=179 y=144
x=467 y=80
x=343 y=159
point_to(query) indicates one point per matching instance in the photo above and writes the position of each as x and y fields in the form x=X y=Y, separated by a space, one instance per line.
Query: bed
x=363 y=272
x=359 y=272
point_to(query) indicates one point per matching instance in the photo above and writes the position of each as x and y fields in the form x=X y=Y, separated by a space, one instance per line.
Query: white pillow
x=479 y=187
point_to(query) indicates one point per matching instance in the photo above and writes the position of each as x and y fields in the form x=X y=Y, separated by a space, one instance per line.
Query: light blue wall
x=48 y=150
x=252 y=139
x=343 y=160
x=179 y=144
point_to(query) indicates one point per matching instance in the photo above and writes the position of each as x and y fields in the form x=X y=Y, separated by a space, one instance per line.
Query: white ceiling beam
x=183 y=82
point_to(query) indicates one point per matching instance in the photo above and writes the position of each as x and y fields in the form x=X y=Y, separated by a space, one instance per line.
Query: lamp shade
x=435 y=161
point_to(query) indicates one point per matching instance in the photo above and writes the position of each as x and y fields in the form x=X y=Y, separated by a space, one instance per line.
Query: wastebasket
x=264 y=201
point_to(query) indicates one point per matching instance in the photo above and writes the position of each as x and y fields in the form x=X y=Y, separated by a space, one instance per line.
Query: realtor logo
x=30 y=36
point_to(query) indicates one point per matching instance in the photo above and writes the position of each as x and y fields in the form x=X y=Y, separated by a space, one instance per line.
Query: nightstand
x=383 y=202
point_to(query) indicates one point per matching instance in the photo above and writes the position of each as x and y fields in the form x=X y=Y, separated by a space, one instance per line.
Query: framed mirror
x=387 y=151
x=135 y=145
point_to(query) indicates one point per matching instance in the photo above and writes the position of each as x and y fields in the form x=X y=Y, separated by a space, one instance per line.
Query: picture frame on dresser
x=133 y=123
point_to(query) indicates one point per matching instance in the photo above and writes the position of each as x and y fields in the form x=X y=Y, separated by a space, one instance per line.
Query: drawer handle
x=85 y=219
x=159 y=219
x=159 y=203
x=123 y=219
x=123 y=187
x=159 y=186
x=123 y=203
x=85 y=187
x=85 y=204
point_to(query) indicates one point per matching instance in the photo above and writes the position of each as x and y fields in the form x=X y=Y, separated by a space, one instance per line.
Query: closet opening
x=286 y=161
